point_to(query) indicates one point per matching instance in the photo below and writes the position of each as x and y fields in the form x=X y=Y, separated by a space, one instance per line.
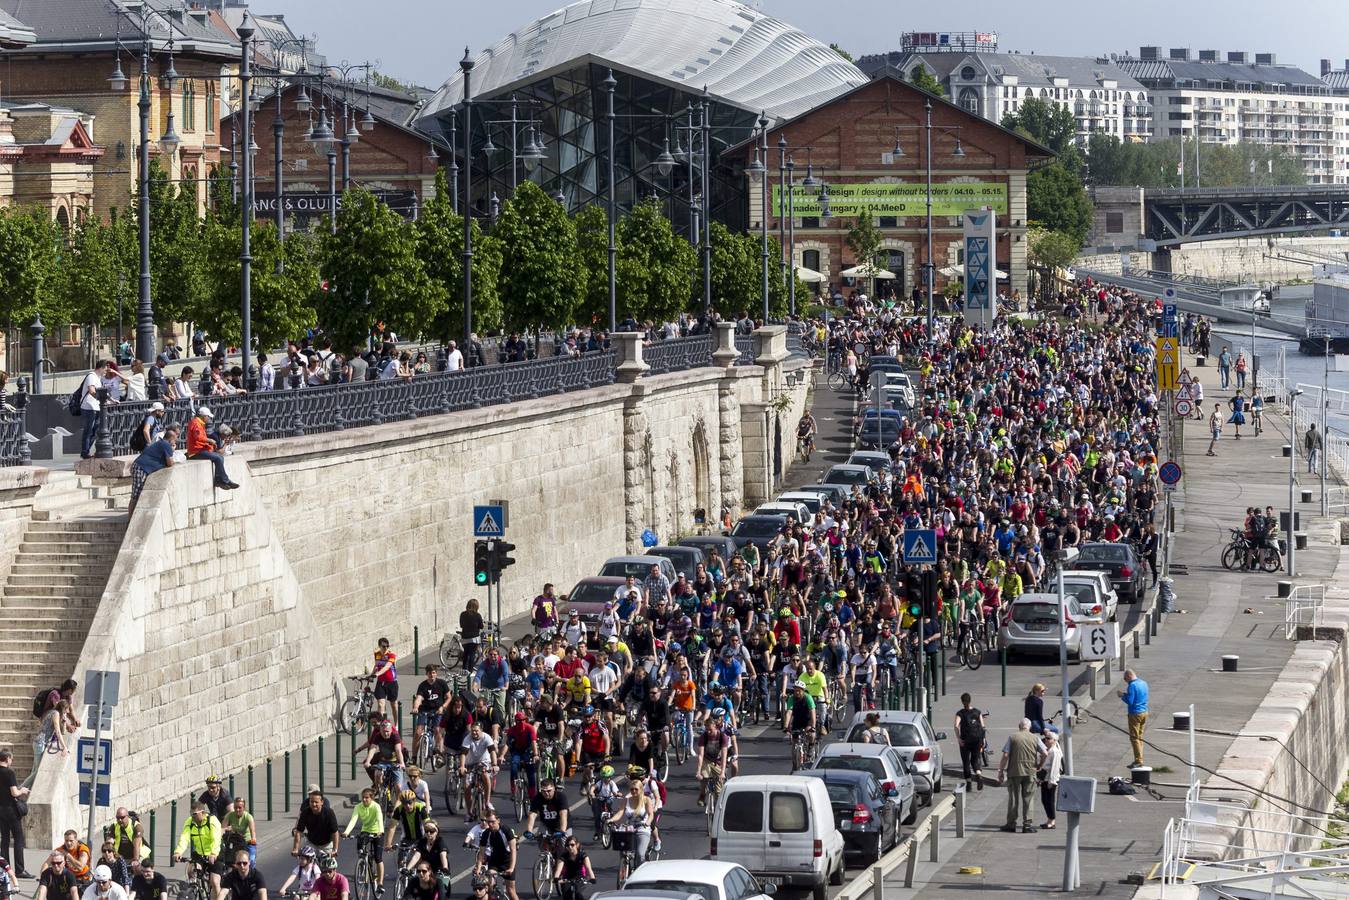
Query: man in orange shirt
x=199 y=446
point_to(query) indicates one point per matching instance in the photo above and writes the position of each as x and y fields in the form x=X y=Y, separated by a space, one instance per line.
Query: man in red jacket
x=199 y=446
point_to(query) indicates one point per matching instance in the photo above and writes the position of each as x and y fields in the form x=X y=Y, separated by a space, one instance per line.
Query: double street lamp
x=787 y=212
x=929 y=267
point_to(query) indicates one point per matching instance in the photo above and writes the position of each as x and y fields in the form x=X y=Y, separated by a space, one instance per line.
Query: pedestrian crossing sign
x=920 y=546
x=488 y=522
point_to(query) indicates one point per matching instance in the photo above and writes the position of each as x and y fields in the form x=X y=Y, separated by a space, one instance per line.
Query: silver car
x=912 y=735
x=1091 y=589
x=886 y=763
x=1032 y=626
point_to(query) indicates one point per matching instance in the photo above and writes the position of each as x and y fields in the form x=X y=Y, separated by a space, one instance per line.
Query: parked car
x=684 y=559
x=644 y=894
x=589 y=595
x=780 y=827
x=708 y=879
x=757 y=530
x=871 y=412
x=912 y=735
x=1117 y=560
x=637 y=566
x=898 y=399
x=877 y=460
x=883 y=359
x=900 y=383
x=724 y=545
x=886 y=763
x=836 y=493
x=1096 y=600
x=811 y=500
x=798 y=511
x=1032 y=626
x=877 y=434
x=863 y=811
x=847 y=475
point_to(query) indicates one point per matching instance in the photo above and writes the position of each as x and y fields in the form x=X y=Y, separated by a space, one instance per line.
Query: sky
x=421 y=41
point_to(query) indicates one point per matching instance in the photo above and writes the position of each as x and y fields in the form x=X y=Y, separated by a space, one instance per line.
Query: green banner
x=889 y=199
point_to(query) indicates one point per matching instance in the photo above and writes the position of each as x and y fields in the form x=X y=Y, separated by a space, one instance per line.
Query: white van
x=781 y=828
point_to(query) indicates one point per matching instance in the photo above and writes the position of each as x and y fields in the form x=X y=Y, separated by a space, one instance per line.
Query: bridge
x=1160 y=218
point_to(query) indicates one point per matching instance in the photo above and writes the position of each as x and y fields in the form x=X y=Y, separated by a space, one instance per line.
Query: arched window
x=63 y=219
x=189 y=115
x=810 y=259
x=969 y=100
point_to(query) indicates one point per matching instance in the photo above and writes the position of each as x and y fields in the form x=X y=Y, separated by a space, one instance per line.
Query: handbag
x=21 y=806
x=1042 y=775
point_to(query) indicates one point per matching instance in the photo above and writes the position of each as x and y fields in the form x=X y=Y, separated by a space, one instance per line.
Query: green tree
x=779 y=299
x=542 y=279
x=440 y=247
x=1051 y=249
x=374 y=273
x=592 y=248
x=101 y=265
x=1056 y=200
x=655 y=266
x=737 y=276
x=32 y=251
x=282 y=303
x=864 y=239
x=177 y=254
x=1050 y=124
x=841 y=52
x=920 y=77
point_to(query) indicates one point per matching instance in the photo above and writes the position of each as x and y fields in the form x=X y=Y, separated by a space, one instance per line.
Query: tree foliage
x=920 y=77
x=1051 y=249
x=737 y=274
x=374 y=274
x=177 y=255
x=102 y=264
x=1156 y=165
x=864 y=240
x=841 y=52
x=541 y=275
x=1056 y=200
x=592 y=249
x=440 y=247
x=32 y=248
x=655 y=266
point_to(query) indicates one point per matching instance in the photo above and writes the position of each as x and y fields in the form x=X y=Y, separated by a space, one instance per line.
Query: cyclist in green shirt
x=199 y=842
x=370 y=817
x=815 y=682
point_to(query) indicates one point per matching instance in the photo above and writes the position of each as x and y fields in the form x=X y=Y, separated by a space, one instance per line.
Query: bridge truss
x=1174 y=217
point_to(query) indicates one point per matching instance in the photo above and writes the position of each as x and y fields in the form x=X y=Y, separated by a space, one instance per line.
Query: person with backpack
x=150 y=430
x=127 y=836
x=84 y=402
x=158 y=455
x=970 y=736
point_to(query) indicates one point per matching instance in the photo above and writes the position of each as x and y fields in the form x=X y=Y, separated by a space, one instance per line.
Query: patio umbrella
x=809 y=276
x=867 y=271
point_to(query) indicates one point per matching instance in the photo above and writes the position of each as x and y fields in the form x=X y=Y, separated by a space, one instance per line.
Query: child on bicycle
x=370 y=818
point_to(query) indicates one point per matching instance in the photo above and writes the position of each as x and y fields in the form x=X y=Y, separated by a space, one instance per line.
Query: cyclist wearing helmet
x=594 y=740
x=798 y=720
x=787 y=631
x=607 y=793
x=715 y=700
x=409 y=815
x=479 y=886
x=332 y=884
x=305 y=873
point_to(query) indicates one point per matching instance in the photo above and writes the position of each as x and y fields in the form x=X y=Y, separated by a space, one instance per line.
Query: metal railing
x=745 y=344
x=1304 y=606
x=678 y=354
x=871 y=881
x=13 y=443
x=312 y=410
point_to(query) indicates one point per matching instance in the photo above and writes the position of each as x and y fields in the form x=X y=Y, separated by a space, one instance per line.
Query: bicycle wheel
x=974 y=654
x=711 y=810
x=1233 y=556
x=681 y=744
x=838 y=380
x=350 y=716
x=1270 y=562
x=520 y=794
x=543 y=876
x=364 y=883
x=606 y=833
x=451 y=652
x=663 y=765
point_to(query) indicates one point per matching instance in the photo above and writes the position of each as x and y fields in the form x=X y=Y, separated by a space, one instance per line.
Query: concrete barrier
x=907 y=851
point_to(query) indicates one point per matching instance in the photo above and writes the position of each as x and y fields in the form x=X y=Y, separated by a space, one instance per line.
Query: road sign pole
x=93 y=770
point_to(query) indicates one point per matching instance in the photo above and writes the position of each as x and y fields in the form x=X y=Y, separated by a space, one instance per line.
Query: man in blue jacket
x=1135 y=697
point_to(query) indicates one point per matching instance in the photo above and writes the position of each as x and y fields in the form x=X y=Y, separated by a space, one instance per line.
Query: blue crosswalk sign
x=488 y=522
x=920 y=546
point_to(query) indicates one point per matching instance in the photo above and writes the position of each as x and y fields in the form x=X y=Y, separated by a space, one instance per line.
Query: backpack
x=76 y=398
x=40 y=702
x=138 y=439
x=1119 y=788
x=971 y=726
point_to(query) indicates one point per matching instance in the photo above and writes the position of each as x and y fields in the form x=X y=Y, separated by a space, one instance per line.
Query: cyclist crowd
x=1025 y=438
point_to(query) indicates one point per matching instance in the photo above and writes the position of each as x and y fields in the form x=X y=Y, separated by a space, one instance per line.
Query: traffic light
x=482 y=562
x=929 y=588
x=499 y=558
x=913 y=593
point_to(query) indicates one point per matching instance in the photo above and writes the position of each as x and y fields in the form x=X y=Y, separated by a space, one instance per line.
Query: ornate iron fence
x=678 y=354
x=745 y=344
x=312 y=410
x=14 y=447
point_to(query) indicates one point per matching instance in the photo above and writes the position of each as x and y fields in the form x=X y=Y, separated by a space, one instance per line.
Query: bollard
x=1141 y=774
x=877 y=882
x=1105 y=668
x=1286 y=450
x=943 y=672
x=1306 y=494
x=1123 y=654
x=337 y=759
x=250 y=789
x=304 y=772
x=152 y=834
x=1091 y=680
x=353 y=753
x=1147 y=628
x=1154 y=619
x=1300 y=540
x=1004 y=670
x=960 y=811
x=934 y=840
x=322 y=779
x=416 y=646
x=1230 y=662
x=1284 y=589
x=1137 y=654
x=911 y=869
x=1180 y=721
x=233 y=792
x=285 y=778
x=269 y=789
x=173 y=826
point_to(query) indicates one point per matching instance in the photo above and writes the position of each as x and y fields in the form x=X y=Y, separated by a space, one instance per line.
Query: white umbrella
x=809 y=276
x=958 y=271
x=867 y=271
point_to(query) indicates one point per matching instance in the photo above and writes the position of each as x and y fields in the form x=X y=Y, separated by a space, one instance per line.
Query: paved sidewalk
x=1182 y=666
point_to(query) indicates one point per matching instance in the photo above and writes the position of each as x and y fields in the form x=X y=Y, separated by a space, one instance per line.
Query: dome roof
x=742 y=56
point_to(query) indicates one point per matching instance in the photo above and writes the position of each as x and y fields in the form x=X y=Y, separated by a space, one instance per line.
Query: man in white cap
x=103 y=887
x=199 y=446
x=158 y=455
x=152 y=427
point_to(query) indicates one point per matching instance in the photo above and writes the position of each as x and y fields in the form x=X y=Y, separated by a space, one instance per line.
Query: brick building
x=851 y=140
x=390 y=159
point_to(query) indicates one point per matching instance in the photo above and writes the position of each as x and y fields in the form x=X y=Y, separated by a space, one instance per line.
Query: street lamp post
x=245 y=32
x=610 y=85
x=761 y=164
x=706 y=106
x=466 y=66
x=1293 y=394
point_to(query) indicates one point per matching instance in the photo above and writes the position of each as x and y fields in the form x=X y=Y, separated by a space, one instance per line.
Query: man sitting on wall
x=199 y=446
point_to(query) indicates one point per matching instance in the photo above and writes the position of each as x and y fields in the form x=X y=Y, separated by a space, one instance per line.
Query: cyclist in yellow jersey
x=816 y=684
x=578 y=689
x=200 y=841
x=368 y=815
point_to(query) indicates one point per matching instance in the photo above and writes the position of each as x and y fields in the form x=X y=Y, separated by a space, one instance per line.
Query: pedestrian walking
x=1021 y=757
x=1135 y=697
x=1240 y=369
x=1215 y=428
x=1197 y=394
x=1238 y=418
x=91 y=408
x=1225 y=367
x=1051 y=769
x=970 y=736
x=11 y=813
x=1312 y=443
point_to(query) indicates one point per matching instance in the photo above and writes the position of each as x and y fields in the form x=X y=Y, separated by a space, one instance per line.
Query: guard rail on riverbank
x=872 y=880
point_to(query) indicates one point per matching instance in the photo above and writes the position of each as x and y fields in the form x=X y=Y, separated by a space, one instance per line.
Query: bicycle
x=683 y=736
x=805 y=446
x=198 y=886
x=803 y=749
x=477 y=798
x=451 y=650
x=520 y=791
x=627 y=856
x=405 y=873
x=548 y=752
x=364 y=879
x=1238 y=552
x=712 y=786
x=355 y=712
x=970 y=648
x=542 y=876
x=570 y=888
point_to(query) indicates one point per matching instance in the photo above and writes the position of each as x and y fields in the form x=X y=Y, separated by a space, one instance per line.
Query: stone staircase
x=50 y=595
